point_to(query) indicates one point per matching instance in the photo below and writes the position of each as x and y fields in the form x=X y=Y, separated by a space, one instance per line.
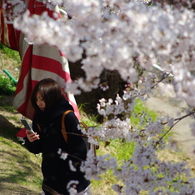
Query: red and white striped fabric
x=38 y=62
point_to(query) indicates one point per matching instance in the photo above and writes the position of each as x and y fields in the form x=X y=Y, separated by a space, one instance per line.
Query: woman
x=61 y=160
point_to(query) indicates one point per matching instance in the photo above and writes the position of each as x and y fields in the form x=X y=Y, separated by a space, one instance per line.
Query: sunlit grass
x=18 y=166
x=10 y=53
x=7 y=86
x=138 y=110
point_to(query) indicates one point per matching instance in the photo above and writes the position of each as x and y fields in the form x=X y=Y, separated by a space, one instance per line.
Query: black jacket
x=56 y=171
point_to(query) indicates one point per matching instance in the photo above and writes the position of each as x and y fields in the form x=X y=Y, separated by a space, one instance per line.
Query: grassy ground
x=19 y=170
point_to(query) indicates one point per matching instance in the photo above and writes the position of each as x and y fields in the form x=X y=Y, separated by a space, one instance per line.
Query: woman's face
x=40 y=101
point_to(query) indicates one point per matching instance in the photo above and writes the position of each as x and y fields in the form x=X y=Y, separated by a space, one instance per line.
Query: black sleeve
x=34 y=147
x=76 y=143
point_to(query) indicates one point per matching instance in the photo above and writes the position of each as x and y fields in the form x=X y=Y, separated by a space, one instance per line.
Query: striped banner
x=38 y=62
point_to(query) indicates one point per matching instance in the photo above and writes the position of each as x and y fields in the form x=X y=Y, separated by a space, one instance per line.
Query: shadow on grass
x=7 y=129
x=17 y=172
x=9 y=189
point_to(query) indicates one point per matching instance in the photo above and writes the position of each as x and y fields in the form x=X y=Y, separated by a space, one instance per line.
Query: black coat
x=56 y=171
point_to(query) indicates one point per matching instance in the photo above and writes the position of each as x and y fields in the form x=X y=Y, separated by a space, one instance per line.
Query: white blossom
x=72 y=168
x=114 y=35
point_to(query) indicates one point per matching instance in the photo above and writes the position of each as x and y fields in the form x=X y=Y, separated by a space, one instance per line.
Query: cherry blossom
x=116 y=35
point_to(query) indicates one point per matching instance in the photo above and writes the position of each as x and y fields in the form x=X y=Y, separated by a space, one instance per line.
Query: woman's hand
x=32 y=136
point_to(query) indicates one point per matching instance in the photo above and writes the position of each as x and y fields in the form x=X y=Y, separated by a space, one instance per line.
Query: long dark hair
x=49 y=90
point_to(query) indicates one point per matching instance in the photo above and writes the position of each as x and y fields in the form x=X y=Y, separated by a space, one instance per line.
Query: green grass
x=7 y=86
x=10 y=53
x=141 y=111
x=18 y=167
x=13 y=118
x=122 y=151
x=7 y=108
x=138 y=111
x=119 y=149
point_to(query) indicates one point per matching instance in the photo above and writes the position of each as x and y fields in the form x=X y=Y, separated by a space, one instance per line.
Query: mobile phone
x=26 y=125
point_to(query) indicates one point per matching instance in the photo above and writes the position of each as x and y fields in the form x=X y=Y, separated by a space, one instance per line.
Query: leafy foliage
x=7 y=86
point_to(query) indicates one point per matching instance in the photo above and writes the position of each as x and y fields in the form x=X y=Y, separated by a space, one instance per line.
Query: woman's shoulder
x=70 y=119
x=69 y=115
